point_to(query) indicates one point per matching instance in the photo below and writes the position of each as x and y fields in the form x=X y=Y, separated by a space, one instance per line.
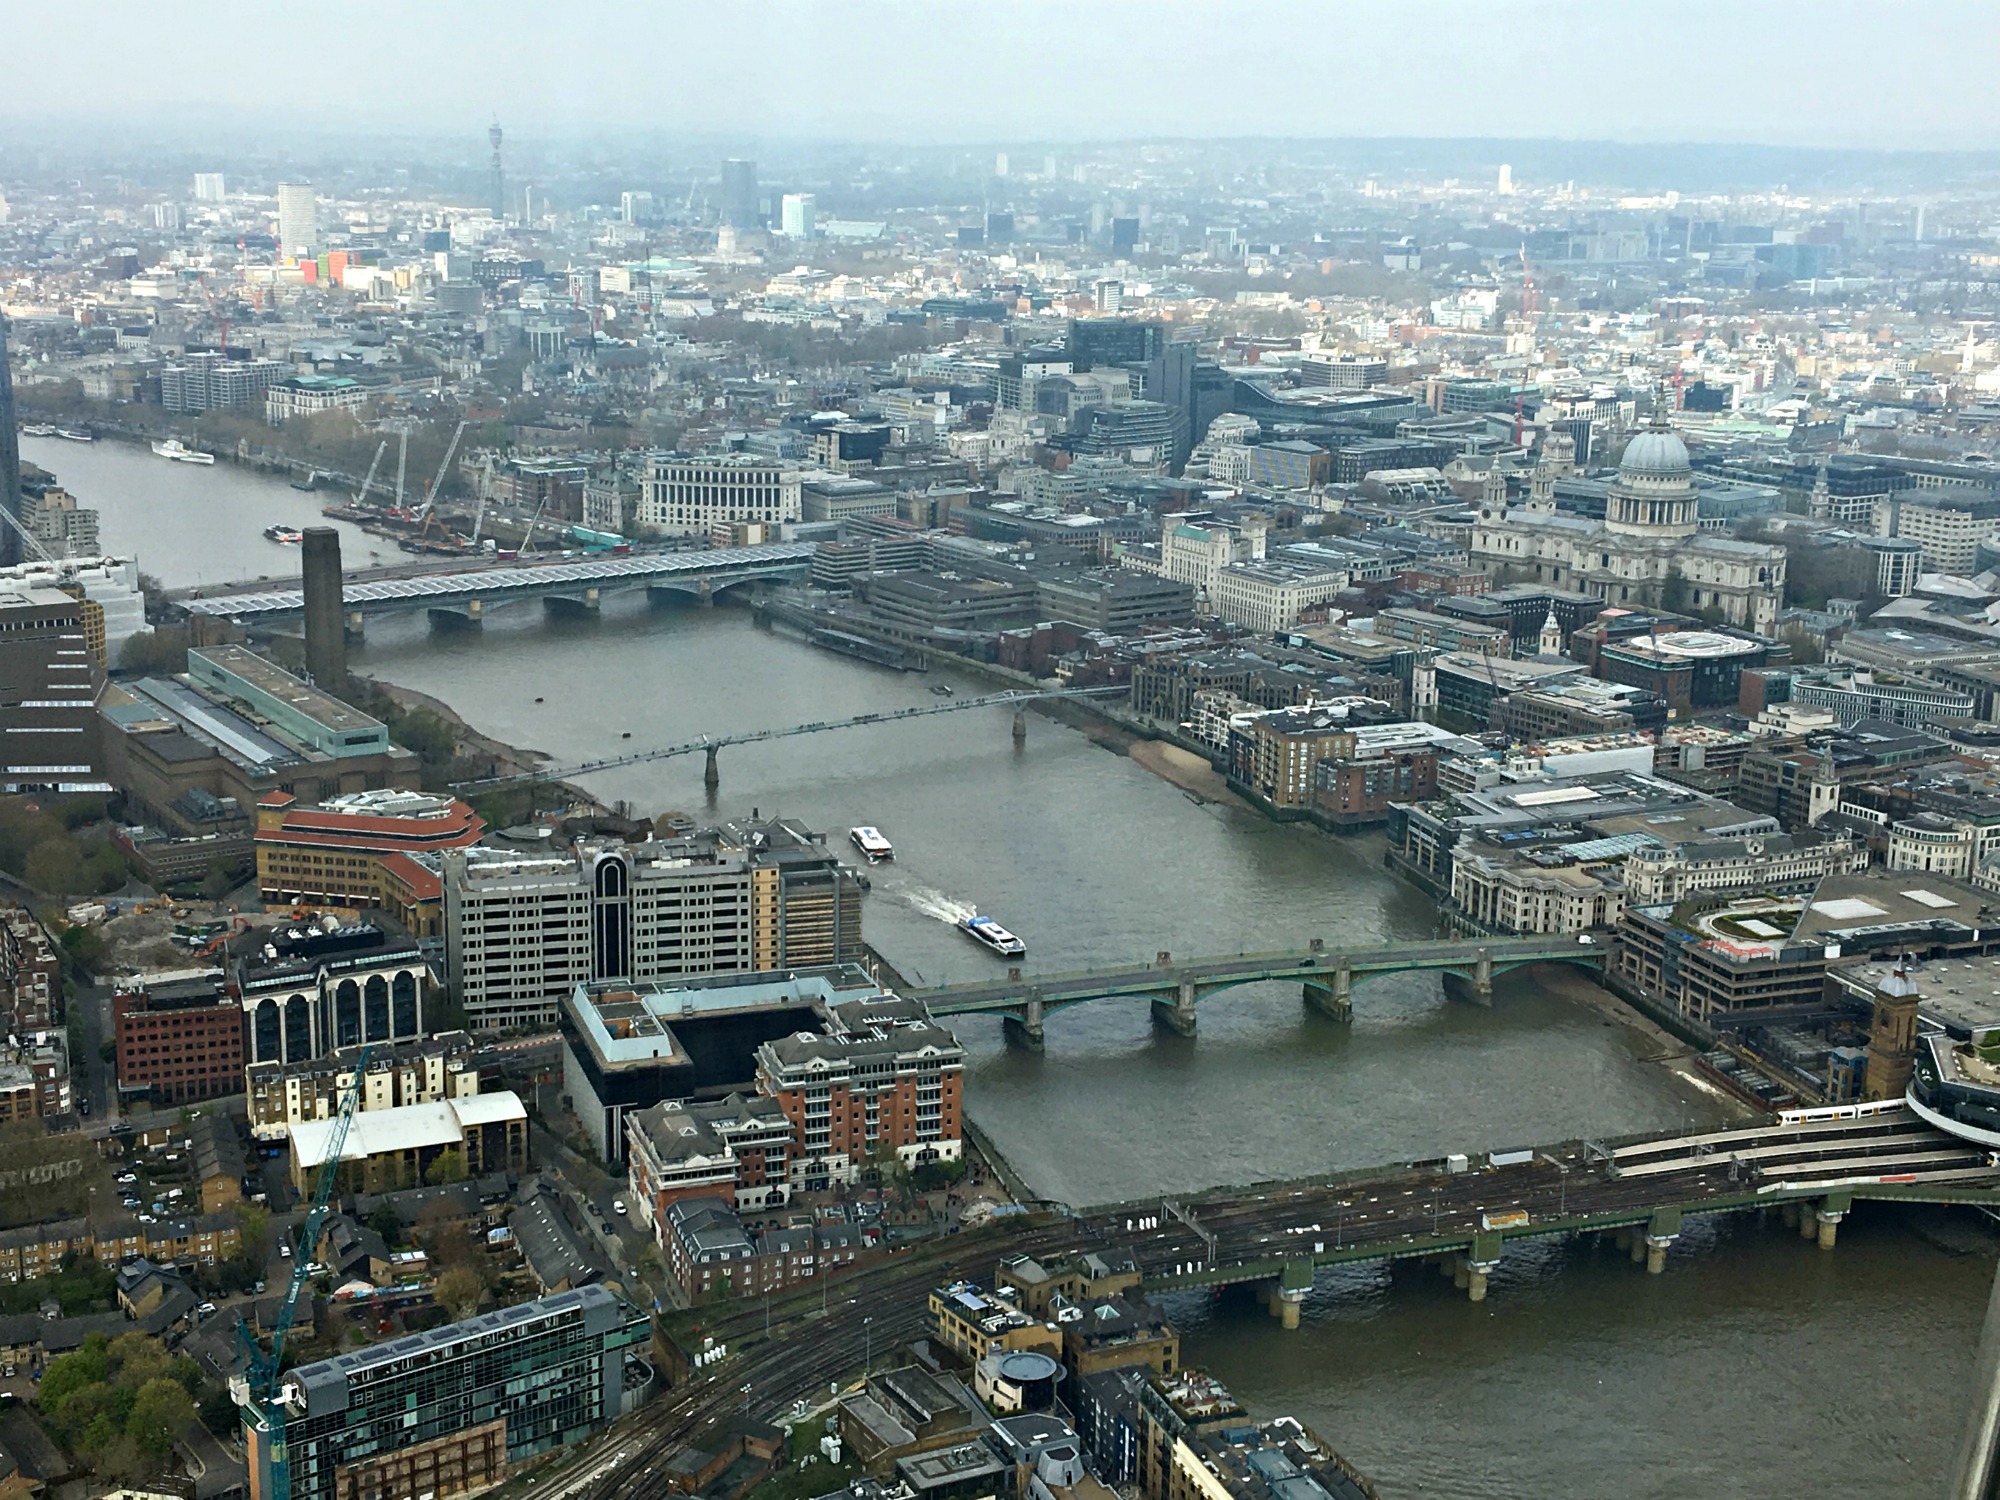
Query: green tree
x=448 y=1167
x=83 y=949
x=69 y=1373
x=156 y=652
x=161 y=1412
x=55 y=865
x=219 y=881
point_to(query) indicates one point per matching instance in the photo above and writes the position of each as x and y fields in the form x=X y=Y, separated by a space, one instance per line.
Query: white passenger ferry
x=991 y=934
x=871 y=843
x=178 y=451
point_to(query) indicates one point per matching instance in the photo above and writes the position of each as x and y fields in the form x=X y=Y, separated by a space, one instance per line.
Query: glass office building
x=445 y=1412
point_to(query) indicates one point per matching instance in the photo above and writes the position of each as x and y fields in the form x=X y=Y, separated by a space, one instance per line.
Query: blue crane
x=256 y=1391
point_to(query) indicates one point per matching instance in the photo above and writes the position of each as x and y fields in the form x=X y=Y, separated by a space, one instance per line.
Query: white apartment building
x=688 y=496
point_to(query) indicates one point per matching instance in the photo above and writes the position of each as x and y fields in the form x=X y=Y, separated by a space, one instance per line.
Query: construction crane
x=424 y=511
x=402 y=460
x=222 y=319
x=361 y=497
x=32 y=541
x=485 y=493
x=256 y=1390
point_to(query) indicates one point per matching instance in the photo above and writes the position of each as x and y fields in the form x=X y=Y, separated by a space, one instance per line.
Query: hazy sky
x=1891 y=73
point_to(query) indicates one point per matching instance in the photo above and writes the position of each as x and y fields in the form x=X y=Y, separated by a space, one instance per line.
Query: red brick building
x=884 y=1085
x=334 y=854
x=179 y=1039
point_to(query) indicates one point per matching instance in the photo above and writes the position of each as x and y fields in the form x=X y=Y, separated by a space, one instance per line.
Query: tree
x=161 y=1412
x=55 y=865
x=69 y=1373
x=83 y=949
x=448 y=1167
x=219 y=881
x=458 y=1291
x=161 y=650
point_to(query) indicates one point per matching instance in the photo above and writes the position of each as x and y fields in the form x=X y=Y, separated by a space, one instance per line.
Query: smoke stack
x=326 y=609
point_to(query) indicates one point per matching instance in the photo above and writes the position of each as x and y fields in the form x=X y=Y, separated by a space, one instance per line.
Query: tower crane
x=256 y=1391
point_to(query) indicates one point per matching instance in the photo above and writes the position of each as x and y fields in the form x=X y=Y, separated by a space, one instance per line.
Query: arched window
x=298 y=1029
x=403 y=997
x=347 y=1014
x=377 y=1009
x=265 y=1043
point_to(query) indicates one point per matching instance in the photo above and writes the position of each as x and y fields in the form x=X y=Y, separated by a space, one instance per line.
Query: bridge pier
x=705 y=593
x=589 y=602
x=1177 y=1015
x=469 y=615
x=1020 y=726
x=1808 y=1221
x=353 y=625
x=1832 y=1210
x=1651 y=1244
x=1025 y=1030
x=1333 y=999
x=711 y=774
x=1477 y=986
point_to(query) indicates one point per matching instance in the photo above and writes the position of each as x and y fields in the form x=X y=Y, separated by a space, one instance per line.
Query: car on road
x=205 y=1310
x=606 y=1227
x=618 y=1207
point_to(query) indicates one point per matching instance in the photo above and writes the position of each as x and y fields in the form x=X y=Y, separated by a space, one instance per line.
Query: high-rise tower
x=10 y=458
x=499 y=177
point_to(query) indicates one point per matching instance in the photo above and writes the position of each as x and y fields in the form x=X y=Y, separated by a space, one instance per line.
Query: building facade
x=690 y=496
x=178 y=1038
x=523 y=932
x=449 y=1411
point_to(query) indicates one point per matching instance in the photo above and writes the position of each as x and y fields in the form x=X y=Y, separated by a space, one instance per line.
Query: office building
x=1899 y=563
x=452 y=1410
x=334 y=854
x=50 y=683
x=795 y=216
x=690 y=496
x=395 y=1148
x=419 y=1070
x=10 y=456
x=298 y=221
x=178 y=1038
x=739 y=194
x=208 y=187
x=522 y=932
x=310 y=988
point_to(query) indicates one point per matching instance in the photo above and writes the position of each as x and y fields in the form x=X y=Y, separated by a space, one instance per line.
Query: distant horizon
x=1840 y=75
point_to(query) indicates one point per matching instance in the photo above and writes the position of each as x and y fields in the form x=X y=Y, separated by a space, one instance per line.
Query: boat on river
x=179 y=452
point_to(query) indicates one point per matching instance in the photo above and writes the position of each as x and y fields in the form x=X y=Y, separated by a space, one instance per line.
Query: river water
x=1758 y=1364
x=191 y=524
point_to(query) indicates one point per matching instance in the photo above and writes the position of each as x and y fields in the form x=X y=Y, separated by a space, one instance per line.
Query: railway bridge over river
x=1174 y=988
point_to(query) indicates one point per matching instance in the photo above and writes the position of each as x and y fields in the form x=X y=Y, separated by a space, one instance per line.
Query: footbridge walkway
x=711 y=745
x=1175 y=987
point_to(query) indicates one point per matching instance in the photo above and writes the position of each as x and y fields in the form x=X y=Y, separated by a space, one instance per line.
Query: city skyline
x=1838 y=75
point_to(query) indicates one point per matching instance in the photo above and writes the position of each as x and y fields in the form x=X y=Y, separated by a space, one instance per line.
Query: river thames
x=1756 y=1365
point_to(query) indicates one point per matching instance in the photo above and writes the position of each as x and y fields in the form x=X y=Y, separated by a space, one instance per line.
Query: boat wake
x=937 y=905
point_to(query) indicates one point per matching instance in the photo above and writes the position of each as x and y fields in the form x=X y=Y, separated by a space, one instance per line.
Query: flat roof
x=268 y=677
x=408 y=1127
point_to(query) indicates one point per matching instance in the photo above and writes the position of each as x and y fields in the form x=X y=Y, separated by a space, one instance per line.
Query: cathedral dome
x=1654 y=453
